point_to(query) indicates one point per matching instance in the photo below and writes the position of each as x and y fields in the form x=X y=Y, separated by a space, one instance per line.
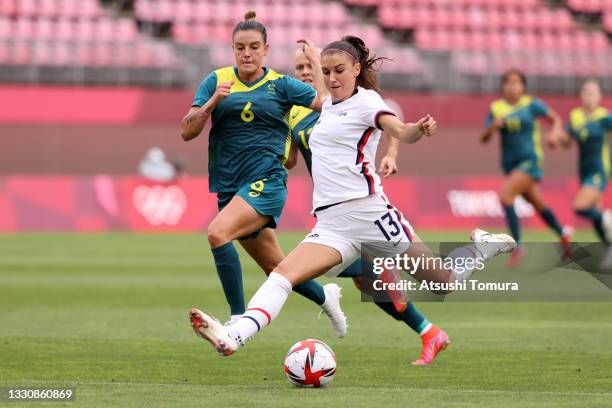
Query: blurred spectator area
x=440 y=45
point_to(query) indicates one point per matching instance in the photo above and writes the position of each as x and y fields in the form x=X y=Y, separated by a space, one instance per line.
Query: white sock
x=462 y=270
x=264 y=306
x=425 y=329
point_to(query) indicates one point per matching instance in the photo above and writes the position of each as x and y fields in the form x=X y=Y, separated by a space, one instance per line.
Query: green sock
x=550 y=219
x=352 y=271
x=311 y=290
x=230 y=274
x=513 y=222
x=596 y=218
x=411 y=316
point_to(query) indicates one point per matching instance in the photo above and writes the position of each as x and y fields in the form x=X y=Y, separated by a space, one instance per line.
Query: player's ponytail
x=355 y=47
x=250 y=23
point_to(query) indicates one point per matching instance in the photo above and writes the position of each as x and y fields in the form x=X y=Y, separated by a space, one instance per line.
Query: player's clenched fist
x=223 y=90
x=427 y=125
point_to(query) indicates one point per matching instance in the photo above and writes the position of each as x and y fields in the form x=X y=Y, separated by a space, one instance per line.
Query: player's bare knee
x=217 y=235
x=506 y=198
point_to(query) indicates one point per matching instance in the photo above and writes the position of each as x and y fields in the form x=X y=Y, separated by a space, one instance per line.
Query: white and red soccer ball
x=310 y=363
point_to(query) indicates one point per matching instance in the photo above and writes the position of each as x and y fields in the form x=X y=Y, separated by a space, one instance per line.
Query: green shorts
x=596 y=179
x=267 y=196
x=530 y=166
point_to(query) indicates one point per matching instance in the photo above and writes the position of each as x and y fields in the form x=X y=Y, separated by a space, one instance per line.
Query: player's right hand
x=499 y=123
x=223 y=90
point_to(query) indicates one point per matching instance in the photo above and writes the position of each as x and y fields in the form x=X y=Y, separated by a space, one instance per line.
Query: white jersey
x=343 y=145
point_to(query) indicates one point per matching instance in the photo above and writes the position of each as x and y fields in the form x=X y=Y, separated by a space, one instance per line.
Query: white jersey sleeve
x=373 y=108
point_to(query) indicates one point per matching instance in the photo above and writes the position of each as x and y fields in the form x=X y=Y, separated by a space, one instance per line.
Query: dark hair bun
x=359 y=46
x=249 y=15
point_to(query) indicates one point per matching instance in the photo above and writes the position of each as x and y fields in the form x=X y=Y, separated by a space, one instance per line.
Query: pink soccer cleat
x=434 y=341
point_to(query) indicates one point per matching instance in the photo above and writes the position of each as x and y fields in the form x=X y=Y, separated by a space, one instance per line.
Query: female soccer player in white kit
x=348 y=199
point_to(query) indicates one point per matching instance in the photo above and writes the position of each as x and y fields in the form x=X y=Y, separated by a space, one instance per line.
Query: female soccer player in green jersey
x=248 y=143
x=515 y=116
x=589 y=125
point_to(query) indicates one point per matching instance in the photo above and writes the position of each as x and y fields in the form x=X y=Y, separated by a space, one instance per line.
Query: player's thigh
x=237 y=219
x=534 y=196
x=515 y=184
x=264 y=249
x=308 y=261
x=432 y=271
x=587 y=197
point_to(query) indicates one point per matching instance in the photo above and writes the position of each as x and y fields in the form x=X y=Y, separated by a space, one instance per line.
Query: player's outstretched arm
x=408 y=132
x=195 y=120
x=312 y=54
x=491 y=130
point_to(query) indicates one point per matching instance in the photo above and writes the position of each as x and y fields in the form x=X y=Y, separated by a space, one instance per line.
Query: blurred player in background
x=301 y=122
x=156 y=167
x=348 y=198
x=515 y=116
x=588 y=126
x=247 y=147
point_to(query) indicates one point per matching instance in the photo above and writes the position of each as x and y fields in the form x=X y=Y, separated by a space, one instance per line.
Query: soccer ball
x=310 y=363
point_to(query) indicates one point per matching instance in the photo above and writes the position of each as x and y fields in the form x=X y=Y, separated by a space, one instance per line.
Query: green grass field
x=108 y=314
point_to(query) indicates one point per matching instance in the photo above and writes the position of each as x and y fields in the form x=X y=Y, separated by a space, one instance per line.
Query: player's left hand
x=427 y=125
x=552 y=140
x=388 y=166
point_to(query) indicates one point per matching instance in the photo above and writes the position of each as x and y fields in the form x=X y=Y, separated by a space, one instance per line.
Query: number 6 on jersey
x=246 y=115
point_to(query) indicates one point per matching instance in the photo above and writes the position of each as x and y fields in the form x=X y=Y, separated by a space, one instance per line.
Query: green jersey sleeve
x=206 y=90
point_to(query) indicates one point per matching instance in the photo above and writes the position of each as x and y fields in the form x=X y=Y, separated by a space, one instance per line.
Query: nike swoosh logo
x=397 y=242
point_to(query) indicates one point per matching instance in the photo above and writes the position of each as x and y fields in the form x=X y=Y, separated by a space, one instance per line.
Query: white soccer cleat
x=606 y=262
x=332 y=309
x=505 y=243
x=211 y=330
x=607 y=223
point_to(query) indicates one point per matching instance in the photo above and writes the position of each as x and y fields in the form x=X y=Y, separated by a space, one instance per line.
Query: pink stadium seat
x=83 y=54
x=8 y=7
x=124 y=54
x=183 y=11
x=23 y=28
x=143 y=10
x=90 y=9
x=65 y=30
x=62 y=54
x=103 y=54
x=336 y=14
x=21 y=53
x=85 y=29
x=5 y=53
x=27 y=8
x=42 y=53
x=70 y=8
x=47 y=8
x=599 y=40
x=6 y=27
x=44 y=29
x=181 y=32
x=607 y=21
x=105 y=29
x=125 y=30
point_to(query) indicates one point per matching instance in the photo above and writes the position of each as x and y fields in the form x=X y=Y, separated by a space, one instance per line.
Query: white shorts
x=371 y=220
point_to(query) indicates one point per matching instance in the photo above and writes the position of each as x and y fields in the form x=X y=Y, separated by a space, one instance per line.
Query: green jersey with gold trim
x=249 y=138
